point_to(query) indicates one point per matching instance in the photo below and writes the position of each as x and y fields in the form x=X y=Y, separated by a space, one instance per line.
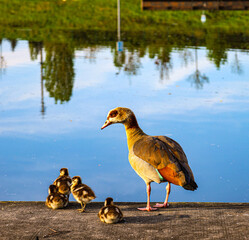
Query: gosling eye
x=113 y=113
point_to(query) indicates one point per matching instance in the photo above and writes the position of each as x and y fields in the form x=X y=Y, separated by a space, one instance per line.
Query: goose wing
x=167 y=156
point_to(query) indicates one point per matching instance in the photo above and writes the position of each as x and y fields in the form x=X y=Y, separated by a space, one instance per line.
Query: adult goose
x=154 y=158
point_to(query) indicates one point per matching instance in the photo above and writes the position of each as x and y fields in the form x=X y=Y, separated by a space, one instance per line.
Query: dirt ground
x=33 y=220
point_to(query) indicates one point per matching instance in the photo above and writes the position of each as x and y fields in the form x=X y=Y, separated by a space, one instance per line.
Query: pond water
x=54 y=98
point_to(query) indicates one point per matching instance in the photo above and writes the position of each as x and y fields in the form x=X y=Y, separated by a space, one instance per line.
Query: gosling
x=63 y=182
x=110 y=213
x=82 y=193
x=55 y=199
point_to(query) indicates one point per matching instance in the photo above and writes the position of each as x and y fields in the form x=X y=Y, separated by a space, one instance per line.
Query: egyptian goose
x=154 y=158
x=110 y=213
x=55 y=199
x=81 y=192
x=63 y=182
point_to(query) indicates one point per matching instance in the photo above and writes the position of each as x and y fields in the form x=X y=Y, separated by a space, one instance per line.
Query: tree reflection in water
x=197 y=79
x=59 y=71
x=236 y=66
x=132 y=64
x=90 y=54
x=186 y=57
x=3 y=64
x=163 y=62
x=119 y=59
x=35 y=49
x=128 y=61
x=13 y=44
x=217 y=46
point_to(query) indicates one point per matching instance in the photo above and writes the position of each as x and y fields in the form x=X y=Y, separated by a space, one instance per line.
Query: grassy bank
x=101 y=15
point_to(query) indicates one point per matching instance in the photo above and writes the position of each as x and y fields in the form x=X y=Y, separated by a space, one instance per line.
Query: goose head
x=120 y=115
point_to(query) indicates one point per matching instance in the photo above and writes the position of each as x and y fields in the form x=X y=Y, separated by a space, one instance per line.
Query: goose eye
x=114 y=113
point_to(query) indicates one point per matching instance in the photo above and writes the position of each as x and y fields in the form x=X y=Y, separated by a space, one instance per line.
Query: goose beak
x=107 y=123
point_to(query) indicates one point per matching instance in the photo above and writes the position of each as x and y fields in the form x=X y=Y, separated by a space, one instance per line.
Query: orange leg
x=148 y=208
x=165 y=204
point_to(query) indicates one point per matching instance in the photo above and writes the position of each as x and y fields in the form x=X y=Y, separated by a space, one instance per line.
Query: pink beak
x=107 y=123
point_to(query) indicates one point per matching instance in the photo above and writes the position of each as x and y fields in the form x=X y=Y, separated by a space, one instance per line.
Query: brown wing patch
x=165 y=153
x=155 y=152
x=175 y=148
x=179 y=154
x=170 y=175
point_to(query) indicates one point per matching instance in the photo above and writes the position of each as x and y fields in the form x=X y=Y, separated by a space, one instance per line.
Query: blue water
x=209 y=120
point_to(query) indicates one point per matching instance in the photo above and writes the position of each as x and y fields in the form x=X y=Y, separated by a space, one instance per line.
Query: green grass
x=101 y=15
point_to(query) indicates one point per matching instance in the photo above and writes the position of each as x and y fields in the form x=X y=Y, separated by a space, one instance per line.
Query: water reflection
x=236 y=65
x=35 y=49
x=57 y=70
x=13 y=44
x=217 y=51
x=159 y=81
x=2 y=60
x=163 y=62
x=197 y=78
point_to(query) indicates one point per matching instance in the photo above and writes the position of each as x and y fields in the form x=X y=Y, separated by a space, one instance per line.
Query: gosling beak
x=107 y=123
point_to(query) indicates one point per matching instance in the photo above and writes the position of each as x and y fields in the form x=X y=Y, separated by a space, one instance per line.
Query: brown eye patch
x=113 y=113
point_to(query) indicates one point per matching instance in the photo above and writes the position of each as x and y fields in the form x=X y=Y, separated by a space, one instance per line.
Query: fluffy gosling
x=82 y=193
x=55 y=199
x=63 y=182
x=110 y=213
